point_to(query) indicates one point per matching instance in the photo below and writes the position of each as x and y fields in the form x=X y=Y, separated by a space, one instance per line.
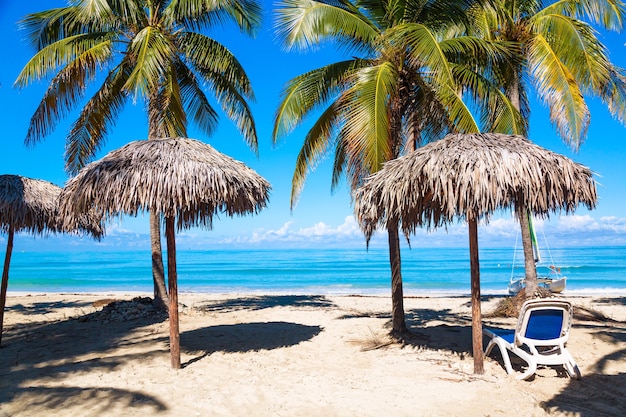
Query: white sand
x=277 y=355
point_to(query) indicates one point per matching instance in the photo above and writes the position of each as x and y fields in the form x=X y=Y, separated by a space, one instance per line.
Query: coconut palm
x=147 y=50
x=559 y=54
x=403 y=87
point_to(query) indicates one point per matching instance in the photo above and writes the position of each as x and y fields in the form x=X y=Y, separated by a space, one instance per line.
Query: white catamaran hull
x=553 y=284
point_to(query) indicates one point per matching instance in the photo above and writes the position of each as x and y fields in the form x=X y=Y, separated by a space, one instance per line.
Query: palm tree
x=404 y=87
x=151 y=50
x=559 y=54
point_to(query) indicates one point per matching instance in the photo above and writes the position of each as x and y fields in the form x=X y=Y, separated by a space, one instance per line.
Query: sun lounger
x=539 y=338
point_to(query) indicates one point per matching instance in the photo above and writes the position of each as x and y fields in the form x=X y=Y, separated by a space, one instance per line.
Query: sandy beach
x=290 y=355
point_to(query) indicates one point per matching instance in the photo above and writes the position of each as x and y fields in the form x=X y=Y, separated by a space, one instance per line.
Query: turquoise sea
x=327 y=271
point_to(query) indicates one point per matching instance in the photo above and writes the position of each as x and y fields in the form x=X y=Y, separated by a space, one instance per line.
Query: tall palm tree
x=404 y=86
x=559 y=54
x=154 y=51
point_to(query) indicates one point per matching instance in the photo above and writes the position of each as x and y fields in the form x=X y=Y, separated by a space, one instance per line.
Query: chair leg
x=503 y=352
x=572 y=369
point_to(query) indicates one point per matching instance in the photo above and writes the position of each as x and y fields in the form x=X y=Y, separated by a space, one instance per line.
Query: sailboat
x=547 y=276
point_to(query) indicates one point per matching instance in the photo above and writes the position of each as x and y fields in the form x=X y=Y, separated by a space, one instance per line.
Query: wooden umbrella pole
x=477 y=327
x=172 y=280
x=5 y=279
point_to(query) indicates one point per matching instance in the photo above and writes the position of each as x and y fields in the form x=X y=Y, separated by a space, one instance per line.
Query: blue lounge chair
x=539 y=338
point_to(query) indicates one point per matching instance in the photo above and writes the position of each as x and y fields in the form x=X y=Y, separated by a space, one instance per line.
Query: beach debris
x=509 y=307
x=374 y=341
x=125 y=310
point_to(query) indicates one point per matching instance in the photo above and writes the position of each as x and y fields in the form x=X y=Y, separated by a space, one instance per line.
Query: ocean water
x=326 y=271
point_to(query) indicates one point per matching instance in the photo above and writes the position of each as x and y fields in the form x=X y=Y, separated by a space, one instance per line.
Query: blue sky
x=321 y=218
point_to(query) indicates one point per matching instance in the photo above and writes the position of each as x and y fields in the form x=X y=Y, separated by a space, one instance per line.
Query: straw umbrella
x=184 y=180
x=470 y=176
x=31 y=205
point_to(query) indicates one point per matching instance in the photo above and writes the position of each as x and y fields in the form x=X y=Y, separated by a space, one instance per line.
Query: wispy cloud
x=573 y=230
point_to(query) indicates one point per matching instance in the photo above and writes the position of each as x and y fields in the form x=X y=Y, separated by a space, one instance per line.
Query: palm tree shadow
x=56 y=350
x=450 y=332
x=267 y=301
x=46 y=400
x=47 y=307
x=244 y=337
x=598 y=393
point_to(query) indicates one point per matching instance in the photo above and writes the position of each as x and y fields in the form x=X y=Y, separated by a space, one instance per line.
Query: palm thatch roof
x=28 y=204
x=185 y=180
x=178 y=177
x=472 y=175
x=31 y=205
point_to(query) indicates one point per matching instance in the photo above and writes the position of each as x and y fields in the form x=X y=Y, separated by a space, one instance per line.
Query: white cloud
x=559 y=231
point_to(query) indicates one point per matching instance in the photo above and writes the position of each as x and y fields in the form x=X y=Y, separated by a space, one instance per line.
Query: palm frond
x=315 y=147
x=424 y=50
x=196 y=103
x=89 y=131
x=168 y=109
x=460 y=115
x=558 y=88
x=614 y=94
x=151 y=51
x=65 y=89
x=199 y=15
x=84 y=52
x=577 y=47
x=366 y=104
x=236 y=109
x=305 y=23
x=49 y=26
x=306 y=92
x=609 y=14
x=210 y=57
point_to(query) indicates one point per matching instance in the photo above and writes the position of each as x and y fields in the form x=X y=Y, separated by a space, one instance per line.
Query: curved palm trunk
x=5 y=278
x=158 y=271
x=397 y=294
x=522 y=215
x=529 y=256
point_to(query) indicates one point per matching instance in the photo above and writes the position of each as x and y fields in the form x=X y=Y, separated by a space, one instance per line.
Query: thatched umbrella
x=470 y=176
x=31 y=205
x=185 y=180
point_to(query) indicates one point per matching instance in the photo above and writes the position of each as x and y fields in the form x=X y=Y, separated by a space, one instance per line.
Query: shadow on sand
x=50 y=351
x=268 y=301
x=598 y=393
x=244 y=337
x=45 y=308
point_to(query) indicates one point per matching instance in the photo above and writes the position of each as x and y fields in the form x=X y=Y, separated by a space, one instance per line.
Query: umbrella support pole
x=5 y=279
x=172 y=280
x=477 y=328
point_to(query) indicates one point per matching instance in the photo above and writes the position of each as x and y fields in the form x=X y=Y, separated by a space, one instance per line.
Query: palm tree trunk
x=477 y=325
x=172 y=279
x=5 y=278
x=529 y=256
x=158 y=271
x=397 y=295
x=522 y=214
